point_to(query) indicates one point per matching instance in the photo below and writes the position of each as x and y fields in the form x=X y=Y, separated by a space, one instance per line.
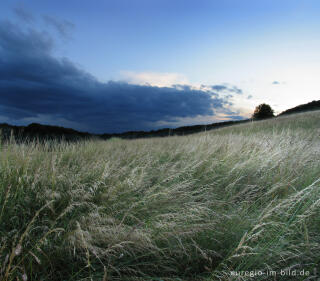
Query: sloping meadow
x=219 y=205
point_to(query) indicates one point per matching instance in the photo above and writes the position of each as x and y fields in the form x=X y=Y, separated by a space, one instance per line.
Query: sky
x=122 y=65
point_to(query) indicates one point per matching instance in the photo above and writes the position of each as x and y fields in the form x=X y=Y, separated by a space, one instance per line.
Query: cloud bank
x=36 y=86
x=63 y=27
x=23 y=14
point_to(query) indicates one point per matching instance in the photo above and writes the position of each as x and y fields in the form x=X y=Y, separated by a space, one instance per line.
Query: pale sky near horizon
x=268 y=50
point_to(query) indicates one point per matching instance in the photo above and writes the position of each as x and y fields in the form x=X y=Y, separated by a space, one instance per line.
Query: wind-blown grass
x=198 y=207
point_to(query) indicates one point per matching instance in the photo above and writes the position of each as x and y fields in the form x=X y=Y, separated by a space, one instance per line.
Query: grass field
x=242 y=198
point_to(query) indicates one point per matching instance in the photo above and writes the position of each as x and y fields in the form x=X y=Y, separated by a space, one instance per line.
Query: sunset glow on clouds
x=155 y=79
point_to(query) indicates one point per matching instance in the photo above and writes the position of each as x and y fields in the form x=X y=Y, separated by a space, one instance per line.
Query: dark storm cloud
x=34 y=84
x=63 y=27
x=236 y=90
x=23 y=14
x=227 y=88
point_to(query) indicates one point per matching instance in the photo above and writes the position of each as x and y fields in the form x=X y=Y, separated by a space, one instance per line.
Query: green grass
x=240 y=198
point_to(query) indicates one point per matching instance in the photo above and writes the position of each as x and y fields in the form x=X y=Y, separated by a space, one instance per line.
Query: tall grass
x=198 y=207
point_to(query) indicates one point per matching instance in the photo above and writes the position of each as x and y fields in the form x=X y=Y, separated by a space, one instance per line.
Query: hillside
x=206 y=206
x=314 y=105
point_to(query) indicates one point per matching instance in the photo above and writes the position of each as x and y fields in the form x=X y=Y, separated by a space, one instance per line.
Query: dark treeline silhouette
x=181 y=131
x=314 y=105
x=40 y=132
x=47 y=132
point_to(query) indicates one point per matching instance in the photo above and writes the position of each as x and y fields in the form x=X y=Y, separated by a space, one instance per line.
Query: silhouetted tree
x=263 y=111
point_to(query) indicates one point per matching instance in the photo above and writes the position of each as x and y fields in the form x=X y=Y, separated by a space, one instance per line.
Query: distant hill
x=38 y=131
x=45 y=132
x=314 y=105
x=180 y=131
